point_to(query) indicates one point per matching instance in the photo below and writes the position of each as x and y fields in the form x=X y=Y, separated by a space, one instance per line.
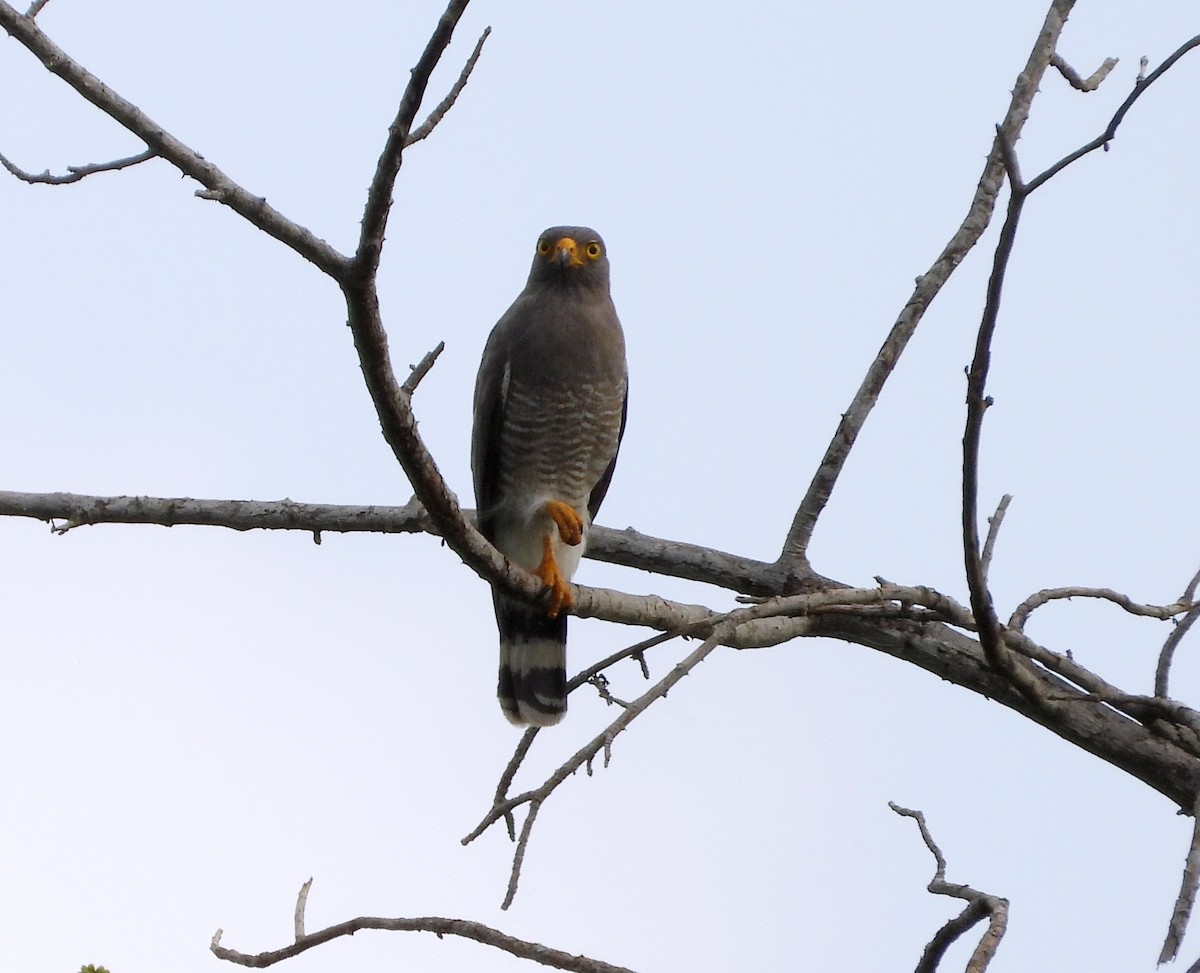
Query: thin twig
x=980 y=905
x=421 y=368
x=35 y=8
x=994 y=522
x=1079 y=83
x=599 y=682
x=447 y=103
x=301 y=905
x=75 y=173
x=518 y=860
x=510 y=772
x=635 y=651
x=1187 y=894
x=1039 y=598
x=1162 y=672
x=163 y=144
x=1166 y=655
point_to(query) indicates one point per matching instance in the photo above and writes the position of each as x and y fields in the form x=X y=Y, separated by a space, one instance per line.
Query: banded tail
x=533 y=663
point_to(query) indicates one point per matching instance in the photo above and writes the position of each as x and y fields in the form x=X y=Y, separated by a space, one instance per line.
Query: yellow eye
x=593 y=250
x=543 y=247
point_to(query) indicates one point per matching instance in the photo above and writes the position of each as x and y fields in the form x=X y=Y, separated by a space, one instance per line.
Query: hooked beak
x=566 y=253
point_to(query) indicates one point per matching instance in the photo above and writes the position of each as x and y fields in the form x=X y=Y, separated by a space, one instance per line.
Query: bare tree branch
x=475 y=931
x=301 y=906
x=1022 y=612
x=379 y=196
x=75 y=173
x=503 y=806
x=217 y=185
x=1150 y=710
x=980 y=906
x=945 y=653
x=421 y=369
x=1187 y=894
x=994 y=522
x=447 y=103
x=1162 y=671
x=67 y=511
x=1102 y=140
x=1083 y=84
x=988 y=625
x=1165 y=657
x=794 y=555
x=1156 y=739
x=392 y=401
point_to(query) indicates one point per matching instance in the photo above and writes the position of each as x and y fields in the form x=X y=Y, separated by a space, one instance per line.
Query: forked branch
x=980 y=906
x=503 y=806
x=162 y=143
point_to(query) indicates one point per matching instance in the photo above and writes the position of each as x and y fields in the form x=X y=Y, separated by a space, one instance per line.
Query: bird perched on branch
x=550 y=405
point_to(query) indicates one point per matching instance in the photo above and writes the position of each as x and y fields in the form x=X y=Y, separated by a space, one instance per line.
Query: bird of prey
x=550 y=405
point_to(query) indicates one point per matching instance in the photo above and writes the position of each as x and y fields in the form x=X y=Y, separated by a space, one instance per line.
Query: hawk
x=550 y=405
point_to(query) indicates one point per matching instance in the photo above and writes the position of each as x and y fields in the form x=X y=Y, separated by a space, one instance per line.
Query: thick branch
x=1125 y=743
x=948 y=654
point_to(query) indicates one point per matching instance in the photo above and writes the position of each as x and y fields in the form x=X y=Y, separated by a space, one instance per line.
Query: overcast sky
x=194 y=721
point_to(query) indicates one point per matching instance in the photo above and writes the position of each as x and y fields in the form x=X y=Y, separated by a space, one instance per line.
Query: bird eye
x=593 y=250
x=543 y=247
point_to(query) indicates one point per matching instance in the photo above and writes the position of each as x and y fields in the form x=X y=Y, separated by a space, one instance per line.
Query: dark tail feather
x=533 y=663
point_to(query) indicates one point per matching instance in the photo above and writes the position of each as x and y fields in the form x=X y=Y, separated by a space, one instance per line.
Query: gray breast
x=558 y=438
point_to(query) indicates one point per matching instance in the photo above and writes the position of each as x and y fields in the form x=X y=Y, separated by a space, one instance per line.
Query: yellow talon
x=560 y=591
x=570 y=524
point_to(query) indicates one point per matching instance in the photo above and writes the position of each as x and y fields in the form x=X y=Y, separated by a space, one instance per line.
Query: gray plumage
x=549 y=414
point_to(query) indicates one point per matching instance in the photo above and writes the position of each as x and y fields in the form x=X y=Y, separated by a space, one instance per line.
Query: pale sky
x=194 y=721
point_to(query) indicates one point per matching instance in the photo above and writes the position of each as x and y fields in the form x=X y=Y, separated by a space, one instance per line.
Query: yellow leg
x=570 y=524
x=560 y=591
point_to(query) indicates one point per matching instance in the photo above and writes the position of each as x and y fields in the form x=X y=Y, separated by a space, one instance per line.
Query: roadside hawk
x=549 y=414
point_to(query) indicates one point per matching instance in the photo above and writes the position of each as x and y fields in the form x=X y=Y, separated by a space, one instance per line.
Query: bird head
x=574 y=253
